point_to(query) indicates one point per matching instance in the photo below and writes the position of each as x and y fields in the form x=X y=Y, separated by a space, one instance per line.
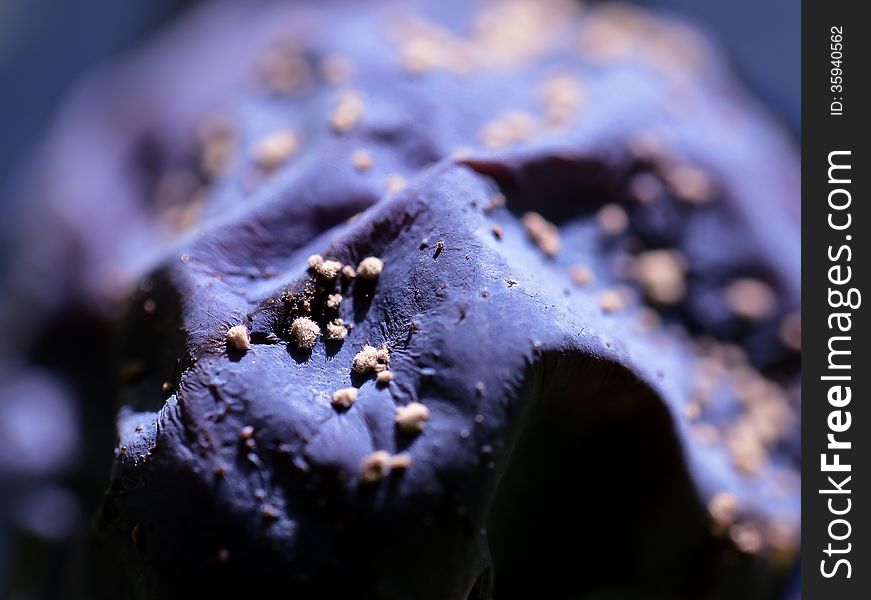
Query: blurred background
x=45 y=45
x=45 y=48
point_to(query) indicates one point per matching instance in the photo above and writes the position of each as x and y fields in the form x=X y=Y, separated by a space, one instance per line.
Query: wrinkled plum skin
x=553 y=424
